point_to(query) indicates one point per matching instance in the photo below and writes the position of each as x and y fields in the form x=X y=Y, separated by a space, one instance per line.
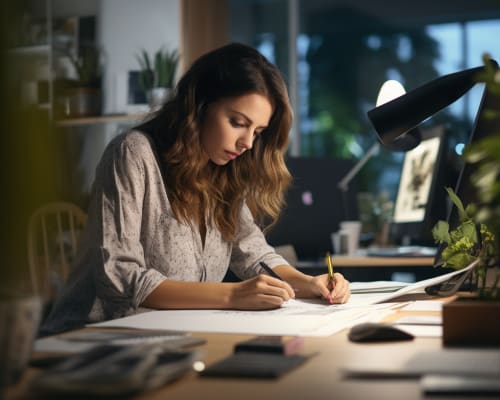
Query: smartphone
x=285 y=345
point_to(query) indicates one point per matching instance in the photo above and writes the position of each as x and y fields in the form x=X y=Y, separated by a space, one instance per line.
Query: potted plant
x=83 y=94
x=157 y=74
x=471 y=241
x=467 y=320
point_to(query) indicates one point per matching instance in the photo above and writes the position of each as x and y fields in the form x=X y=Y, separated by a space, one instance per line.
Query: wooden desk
x=364 y=268
x=374 y=262
x=318 y=378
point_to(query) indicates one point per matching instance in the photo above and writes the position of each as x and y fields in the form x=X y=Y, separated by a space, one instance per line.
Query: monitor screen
x=421 y=193
x=482 y=128
x=418 y=174
x=464 y=188
x=314 y=206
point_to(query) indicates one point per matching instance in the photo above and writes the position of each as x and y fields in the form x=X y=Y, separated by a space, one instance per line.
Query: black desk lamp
x=395 y=119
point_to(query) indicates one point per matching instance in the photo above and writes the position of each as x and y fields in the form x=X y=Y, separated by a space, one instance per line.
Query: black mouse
x=377 y=332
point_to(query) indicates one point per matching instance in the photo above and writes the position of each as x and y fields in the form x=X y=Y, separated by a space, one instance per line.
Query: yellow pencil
x=329 y=263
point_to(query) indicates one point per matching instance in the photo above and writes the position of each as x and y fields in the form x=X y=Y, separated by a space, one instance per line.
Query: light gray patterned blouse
x=132 y=242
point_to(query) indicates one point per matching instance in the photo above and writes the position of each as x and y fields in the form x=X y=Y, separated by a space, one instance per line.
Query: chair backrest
x=53 y=234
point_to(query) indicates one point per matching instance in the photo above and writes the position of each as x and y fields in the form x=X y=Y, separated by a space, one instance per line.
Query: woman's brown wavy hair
x=198 y=188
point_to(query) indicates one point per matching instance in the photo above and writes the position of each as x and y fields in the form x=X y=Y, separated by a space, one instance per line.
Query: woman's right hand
x=260 y=293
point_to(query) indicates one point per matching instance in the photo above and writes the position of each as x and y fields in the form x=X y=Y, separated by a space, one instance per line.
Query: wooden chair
x=53 y=234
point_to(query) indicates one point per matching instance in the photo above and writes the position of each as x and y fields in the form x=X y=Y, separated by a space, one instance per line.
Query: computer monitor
x=420 y=198
x=483 y=127
x=314 y=206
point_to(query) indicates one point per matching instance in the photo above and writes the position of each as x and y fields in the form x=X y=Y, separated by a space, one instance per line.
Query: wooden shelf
x=100 y=119
x=35 y=50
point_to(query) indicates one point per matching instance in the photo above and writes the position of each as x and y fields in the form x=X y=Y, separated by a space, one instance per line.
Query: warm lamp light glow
x=390 y=90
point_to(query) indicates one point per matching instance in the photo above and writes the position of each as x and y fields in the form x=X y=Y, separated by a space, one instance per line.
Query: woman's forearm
x=300 y=282
x=259 y=293
x=190 y=295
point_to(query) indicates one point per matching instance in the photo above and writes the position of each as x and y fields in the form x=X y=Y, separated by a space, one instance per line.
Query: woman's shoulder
x=129 y=148
x=133 y=139
x=135 y=143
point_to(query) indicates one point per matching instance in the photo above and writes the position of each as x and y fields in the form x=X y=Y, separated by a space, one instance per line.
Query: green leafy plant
x=471 y=240
x=158 y=70
x=87 y=66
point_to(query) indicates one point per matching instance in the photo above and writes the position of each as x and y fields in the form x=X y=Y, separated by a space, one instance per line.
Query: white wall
x=124 y=28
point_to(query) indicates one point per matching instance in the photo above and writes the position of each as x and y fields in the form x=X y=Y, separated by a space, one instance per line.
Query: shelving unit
x=32 y=70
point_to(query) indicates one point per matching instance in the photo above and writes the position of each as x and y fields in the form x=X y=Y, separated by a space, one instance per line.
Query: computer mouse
x=377 y=332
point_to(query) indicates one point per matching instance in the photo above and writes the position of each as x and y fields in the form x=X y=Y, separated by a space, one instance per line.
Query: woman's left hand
x=335 y=292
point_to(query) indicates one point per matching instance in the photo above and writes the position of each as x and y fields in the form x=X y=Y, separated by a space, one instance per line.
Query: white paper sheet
x=420 y=285
x=422 y=330
x=424 y=306
x=420 y=320
x=376 y=286
x=296 y=317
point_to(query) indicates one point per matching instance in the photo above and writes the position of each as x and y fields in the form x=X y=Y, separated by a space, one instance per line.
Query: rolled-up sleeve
x=122 y=278
x=250 y=248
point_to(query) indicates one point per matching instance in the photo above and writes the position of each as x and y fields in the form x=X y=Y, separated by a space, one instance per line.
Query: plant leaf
x=462 y=215
x=440 y=232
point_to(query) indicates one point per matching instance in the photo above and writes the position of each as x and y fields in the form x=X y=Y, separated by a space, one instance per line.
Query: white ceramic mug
x=353 y=231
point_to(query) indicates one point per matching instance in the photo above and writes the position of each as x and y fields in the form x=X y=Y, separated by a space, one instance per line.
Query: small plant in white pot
x=157 y=75
x=84 y=92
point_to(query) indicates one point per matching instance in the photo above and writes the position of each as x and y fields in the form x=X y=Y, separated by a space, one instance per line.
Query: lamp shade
x=392 y=120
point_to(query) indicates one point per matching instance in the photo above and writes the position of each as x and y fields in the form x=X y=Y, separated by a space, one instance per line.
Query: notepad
x=472 y=363
x=85 y=340
x=376 y=286
x=459 y=385
x=254 y=365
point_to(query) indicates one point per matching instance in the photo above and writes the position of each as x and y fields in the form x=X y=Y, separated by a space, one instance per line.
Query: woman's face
x=232 y=124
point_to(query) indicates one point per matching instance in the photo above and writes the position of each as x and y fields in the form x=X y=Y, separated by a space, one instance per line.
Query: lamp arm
x=343 y=185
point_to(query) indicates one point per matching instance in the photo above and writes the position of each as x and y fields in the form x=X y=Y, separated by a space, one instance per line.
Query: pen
x=270 y=271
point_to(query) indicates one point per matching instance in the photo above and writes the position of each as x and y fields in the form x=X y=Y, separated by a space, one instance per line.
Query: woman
x=177 y=201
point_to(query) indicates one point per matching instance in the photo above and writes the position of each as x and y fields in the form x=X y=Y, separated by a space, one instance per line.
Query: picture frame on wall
x=418 y=177
x=130 y=98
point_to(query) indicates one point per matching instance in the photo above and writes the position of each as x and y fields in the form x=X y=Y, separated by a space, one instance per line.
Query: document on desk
x=418 y=286
x=296 y=317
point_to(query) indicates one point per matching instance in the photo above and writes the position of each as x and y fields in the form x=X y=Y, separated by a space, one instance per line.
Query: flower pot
x=471 y=321
x=82 y=102
x=19 y=320
x=157 y=97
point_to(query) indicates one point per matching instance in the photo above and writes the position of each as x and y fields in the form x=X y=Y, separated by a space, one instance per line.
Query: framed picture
x=130 y=98
x=418 y=176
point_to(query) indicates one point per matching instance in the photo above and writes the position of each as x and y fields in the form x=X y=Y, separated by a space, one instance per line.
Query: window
x=345 y=51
